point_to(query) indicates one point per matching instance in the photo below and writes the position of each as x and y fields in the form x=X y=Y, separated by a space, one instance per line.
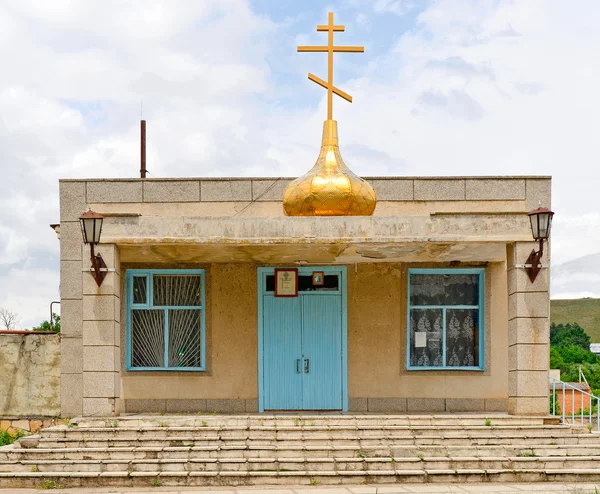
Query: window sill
x=167 y=369
x=480 y=369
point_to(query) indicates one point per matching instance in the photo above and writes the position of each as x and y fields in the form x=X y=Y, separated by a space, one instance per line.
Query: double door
x=302 y=347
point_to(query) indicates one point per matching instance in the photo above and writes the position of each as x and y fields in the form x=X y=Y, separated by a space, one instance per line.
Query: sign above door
x=286 y=282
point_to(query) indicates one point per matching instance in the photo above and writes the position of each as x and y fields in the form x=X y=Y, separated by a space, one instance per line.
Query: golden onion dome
x=329 y=188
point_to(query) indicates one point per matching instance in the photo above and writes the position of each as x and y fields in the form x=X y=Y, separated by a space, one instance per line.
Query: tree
x=573 y=354
x=45 y=325
x=556 y=359
x=8 y=319
x=569 y=334
x=570 y=350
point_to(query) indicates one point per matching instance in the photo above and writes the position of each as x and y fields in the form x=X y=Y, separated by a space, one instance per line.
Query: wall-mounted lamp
x=541 y=221
x=91 y=228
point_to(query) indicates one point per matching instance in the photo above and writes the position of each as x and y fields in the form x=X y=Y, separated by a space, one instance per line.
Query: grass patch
x=8 y=438
x=50 y=484
x=527 y=454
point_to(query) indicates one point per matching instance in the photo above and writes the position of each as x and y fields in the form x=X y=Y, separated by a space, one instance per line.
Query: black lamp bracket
x=533 y=265
x=99 y=268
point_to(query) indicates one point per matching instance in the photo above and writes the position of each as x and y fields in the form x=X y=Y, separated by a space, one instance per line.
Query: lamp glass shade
x=535 y=229
x=91 y=228
x=544 y=221
x=541 y=221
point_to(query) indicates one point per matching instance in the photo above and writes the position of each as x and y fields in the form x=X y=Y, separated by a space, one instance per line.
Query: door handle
x=298 y=365
x=306 y=366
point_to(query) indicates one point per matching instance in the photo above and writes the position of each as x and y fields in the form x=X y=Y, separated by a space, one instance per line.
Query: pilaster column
x=72 y=205
x=101 y=336
x=528 y=334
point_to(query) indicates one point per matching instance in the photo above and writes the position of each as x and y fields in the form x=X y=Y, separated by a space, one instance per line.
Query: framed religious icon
x=286 y=282
x=318 y=278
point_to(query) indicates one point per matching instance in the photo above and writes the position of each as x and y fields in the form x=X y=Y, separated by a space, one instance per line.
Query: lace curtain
x=426 y=338
x=444 y=289
x=461 y=332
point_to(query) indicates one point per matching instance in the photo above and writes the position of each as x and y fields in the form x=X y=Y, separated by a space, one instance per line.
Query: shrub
x=45 y=325
x=8 y=438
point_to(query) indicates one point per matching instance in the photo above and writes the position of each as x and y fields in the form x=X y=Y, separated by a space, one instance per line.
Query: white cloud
x=74 y=75
x=577 y=278
x=32 y=301
x=472 y=88
x=397 y=7
x=13 y=248
x=489 y=88
x=578 y=235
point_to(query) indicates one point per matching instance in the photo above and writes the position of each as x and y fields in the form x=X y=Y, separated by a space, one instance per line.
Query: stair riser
x=395 y=451
x=358 y=443
x=240 y=434
x=310 y=478
x=301 y=466
x=253 y=422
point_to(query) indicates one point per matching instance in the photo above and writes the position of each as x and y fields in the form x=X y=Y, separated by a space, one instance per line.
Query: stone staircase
x=301 y=449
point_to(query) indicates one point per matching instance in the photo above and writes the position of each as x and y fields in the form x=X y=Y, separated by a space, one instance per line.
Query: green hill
x=583 y=311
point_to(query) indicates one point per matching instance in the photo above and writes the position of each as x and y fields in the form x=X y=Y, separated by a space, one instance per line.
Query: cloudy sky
x=443 y=88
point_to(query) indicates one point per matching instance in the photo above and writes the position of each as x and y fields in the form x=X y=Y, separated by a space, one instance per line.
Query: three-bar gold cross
x=330 y=49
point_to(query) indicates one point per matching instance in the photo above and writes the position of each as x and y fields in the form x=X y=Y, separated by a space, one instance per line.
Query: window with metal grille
x=165 y=320
x=445 y=319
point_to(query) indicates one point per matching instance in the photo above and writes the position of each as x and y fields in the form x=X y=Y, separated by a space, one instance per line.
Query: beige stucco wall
x=377 y=304
x=232 y=351
x=230 y=226
x=376 y=342
x=30 y=374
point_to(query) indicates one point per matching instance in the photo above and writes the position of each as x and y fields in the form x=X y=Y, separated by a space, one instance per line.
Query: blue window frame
x=445 y=319
x=165 y=319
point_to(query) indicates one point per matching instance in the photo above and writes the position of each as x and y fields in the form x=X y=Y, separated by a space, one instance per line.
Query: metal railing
x=584 y=415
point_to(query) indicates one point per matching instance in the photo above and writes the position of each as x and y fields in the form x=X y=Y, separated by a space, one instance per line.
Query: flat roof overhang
x=436 y=237
x=312 y=253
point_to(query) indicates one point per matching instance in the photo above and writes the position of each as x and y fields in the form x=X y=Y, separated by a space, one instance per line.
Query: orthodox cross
x=330 y=49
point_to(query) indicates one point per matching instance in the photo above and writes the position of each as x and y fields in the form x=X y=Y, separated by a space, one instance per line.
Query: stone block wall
x=29 y=424
x=529 y=334
x=72 y=205
x=30 y=374
x=90 y=316
x=527 y=189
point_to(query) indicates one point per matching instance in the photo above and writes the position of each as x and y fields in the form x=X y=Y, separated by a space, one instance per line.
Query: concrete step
x=372 y=441
x=294 y=419
x=141 y=451
x=334 y=450
x=301 y=464
x=318 y=432
x=300 y=477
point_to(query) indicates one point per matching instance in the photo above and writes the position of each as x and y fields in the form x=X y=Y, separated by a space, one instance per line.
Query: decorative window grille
x=165 y=320
x=445 y=319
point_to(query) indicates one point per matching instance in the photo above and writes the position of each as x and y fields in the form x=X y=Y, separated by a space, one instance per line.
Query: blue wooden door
x=282 y=353
x=302 y=351
x=322 y=352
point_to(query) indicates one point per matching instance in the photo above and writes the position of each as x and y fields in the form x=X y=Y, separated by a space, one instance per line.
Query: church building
x=328 y=293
